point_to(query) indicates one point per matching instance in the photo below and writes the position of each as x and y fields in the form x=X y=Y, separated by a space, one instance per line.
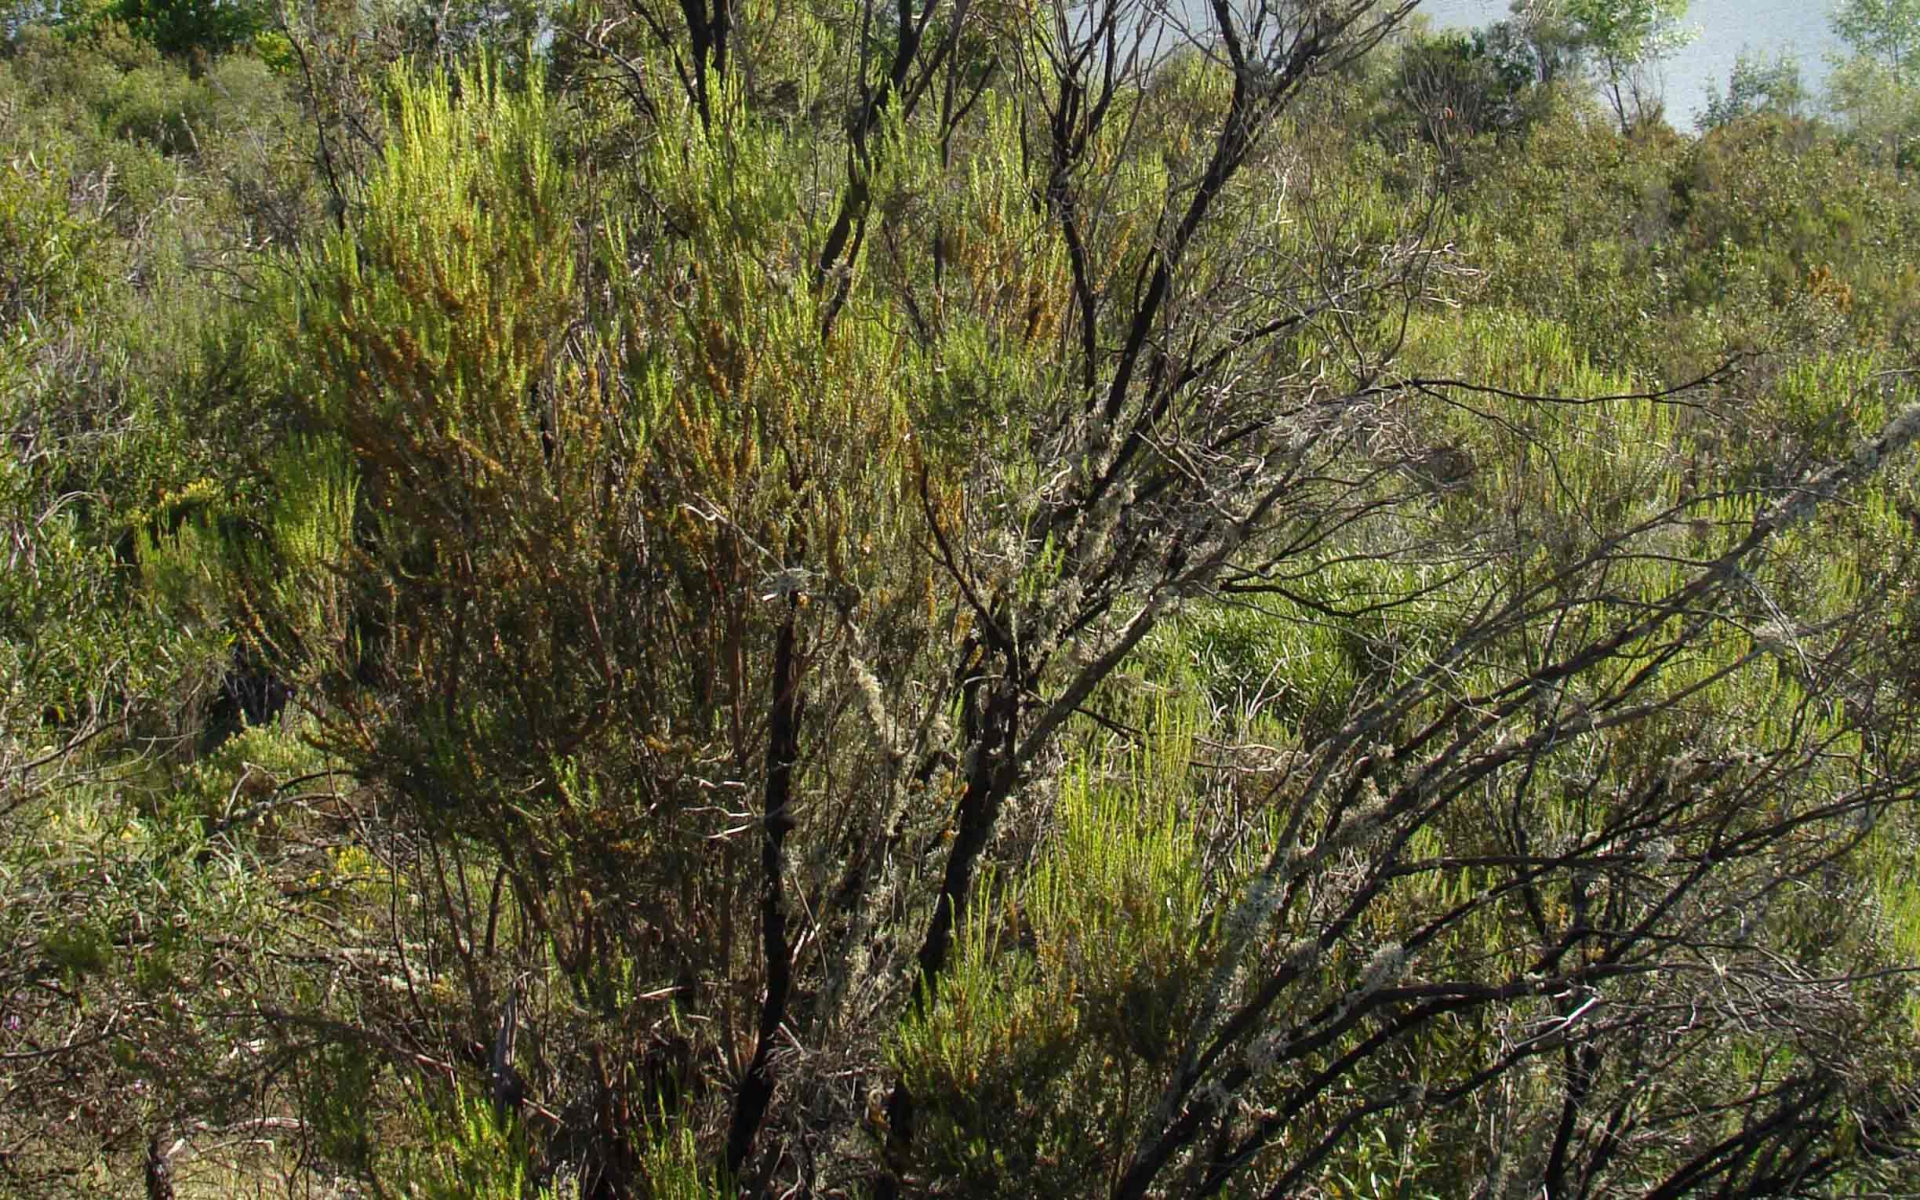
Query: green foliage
x=106 y=681
x=75 y=640
x=73 y=16
x=1888 y=30
x=573 y=524
x=1875 y=90
x=673 y=1166
x=337 y=1091
x=1877 y=105
x=1755 y=87
x=470 y=1156
x=1238 y=562
x=50 y=257
x=188 y=27
x=1619 y=37
x=1072 y=986
x=1624 y=32
x=1452 y=88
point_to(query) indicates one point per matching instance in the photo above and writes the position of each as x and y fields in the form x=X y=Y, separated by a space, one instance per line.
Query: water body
x=1763 y=28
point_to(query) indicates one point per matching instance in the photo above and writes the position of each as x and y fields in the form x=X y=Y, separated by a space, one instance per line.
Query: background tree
x=1888 y=30
x=1874 y=91
x=1755 y=87
x=189 y=27
x=1623 y=37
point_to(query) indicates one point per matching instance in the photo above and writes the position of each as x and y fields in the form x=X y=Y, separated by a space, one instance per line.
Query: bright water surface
x=1726 y=27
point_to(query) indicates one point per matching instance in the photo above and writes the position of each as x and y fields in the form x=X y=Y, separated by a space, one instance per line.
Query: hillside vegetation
x=975 y=598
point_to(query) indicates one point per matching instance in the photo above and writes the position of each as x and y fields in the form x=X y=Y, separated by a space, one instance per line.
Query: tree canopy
x=1885 y=29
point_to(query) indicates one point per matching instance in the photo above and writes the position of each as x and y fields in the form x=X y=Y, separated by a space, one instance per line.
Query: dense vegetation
x=787 y=597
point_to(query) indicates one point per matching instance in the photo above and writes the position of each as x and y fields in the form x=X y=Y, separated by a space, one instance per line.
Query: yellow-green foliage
x=674 y=1169
x=588 y=515
x=428 y=323
x=467 y=1155
x=1076 y=978
x=51 y=259
x=781 y=450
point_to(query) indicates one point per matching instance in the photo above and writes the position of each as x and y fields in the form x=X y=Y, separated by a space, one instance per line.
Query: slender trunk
x=783 y=749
